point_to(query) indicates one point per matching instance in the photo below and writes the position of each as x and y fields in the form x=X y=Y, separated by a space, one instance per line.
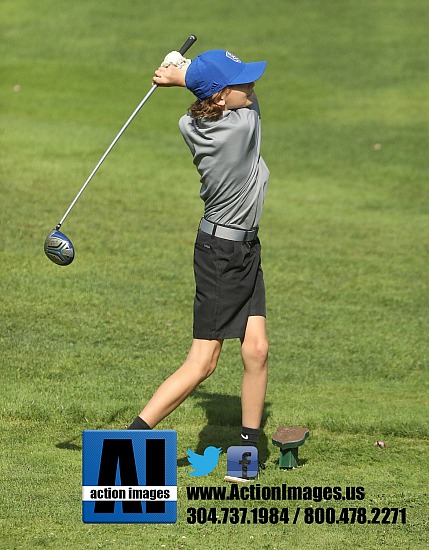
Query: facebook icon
x=242 y=461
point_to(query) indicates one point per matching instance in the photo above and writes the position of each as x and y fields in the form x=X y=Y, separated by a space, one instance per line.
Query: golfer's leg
x=200 y=363
x=254 y=350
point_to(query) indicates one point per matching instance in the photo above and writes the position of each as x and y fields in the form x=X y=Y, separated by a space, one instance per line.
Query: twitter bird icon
x=205 y=463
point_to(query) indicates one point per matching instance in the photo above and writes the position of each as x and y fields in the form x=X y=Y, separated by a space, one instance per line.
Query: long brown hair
x=207 y=108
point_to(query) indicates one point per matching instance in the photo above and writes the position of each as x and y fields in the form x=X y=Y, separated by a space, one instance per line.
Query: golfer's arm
x=170 y=76
x=255 y=104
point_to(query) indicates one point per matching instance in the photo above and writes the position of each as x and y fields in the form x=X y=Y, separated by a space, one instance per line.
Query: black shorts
x=229 y=286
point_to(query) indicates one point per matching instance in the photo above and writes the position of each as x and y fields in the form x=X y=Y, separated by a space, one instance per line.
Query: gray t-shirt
x=234 y=176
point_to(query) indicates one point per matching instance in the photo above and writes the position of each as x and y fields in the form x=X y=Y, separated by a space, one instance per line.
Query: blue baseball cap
x=212 y=71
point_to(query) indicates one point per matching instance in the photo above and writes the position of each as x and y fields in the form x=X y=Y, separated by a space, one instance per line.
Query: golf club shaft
x=100 y=162
x=154 y=86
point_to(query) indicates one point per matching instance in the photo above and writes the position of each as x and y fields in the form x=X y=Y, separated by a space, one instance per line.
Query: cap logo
x=233 y=57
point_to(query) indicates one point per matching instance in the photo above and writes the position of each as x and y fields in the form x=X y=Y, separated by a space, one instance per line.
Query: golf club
x=58 y=247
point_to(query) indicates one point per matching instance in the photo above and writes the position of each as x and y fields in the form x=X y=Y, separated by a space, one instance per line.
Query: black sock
x=138 y=424
x=250 y=436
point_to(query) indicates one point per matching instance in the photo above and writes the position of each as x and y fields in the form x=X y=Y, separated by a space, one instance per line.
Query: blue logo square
x=129 y=476
x=242 y=461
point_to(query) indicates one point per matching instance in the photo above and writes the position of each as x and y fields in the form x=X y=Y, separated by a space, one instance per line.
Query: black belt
x=228 y=233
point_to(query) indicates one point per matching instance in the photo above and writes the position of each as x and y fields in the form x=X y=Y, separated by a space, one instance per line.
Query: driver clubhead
x=59 y=248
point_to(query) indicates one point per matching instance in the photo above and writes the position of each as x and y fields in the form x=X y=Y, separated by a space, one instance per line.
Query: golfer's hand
x=170 y=76
x=176 y=59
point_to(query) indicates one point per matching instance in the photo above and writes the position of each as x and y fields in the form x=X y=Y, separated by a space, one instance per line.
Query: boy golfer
x=223 y=132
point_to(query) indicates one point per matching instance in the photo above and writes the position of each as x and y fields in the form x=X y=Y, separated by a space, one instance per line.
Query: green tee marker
x=289 y=438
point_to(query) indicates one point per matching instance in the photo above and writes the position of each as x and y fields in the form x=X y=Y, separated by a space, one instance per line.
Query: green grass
x=345 y=253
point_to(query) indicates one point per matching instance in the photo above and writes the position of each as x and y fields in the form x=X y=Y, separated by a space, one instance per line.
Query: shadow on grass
x=69 y=444
x=223 y=426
